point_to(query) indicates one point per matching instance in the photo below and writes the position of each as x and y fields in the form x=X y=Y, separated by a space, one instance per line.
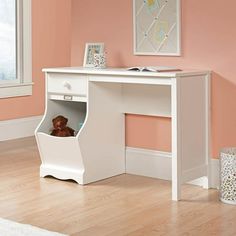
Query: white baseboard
x=18 y=128
x=157 y=164
x=149 y=163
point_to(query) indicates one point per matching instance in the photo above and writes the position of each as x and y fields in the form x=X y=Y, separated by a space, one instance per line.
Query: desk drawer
x=67 y=84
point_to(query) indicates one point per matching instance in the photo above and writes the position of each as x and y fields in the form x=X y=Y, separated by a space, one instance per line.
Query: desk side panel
x=193 y=117
x=102 y=139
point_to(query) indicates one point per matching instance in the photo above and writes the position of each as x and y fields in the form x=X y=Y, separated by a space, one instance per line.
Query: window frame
x=22 y=86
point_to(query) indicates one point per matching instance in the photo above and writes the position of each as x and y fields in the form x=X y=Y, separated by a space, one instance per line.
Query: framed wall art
x=156 y=25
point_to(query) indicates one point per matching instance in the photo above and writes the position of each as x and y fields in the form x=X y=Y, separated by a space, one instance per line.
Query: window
x=7 y=40
x=15 y=48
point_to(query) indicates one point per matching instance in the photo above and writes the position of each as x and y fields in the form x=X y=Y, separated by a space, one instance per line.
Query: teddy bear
x=60 y=128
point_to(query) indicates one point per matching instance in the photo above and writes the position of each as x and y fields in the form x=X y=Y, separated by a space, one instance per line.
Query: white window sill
x=15 y=90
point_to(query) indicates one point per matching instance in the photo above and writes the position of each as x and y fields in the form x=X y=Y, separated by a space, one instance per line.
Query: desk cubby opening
x=75 y=112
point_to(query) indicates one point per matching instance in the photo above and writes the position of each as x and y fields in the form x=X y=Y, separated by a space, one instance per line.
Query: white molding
x=18 y=128
x=27 y=42
x=157 y=164
x=149 y=163
x=15 y=90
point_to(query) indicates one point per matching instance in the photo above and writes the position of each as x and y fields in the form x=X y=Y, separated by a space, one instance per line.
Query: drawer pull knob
x=66 y=85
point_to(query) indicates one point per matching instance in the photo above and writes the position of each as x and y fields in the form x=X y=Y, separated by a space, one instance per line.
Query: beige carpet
x=10 y=228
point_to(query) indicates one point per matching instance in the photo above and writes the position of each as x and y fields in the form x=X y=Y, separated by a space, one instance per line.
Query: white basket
x=228 y=175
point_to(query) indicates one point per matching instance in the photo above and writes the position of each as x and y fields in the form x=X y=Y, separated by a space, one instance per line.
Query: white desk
x=99 y=98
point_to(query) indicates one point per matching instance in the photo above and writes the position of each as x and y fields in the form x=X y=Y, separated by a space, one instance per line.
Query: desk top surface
x=124 y=72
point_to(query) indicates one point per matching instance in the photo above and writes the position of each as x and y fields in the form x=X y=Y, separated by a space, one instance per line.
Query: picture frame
x=90 y=50
x=157 y=27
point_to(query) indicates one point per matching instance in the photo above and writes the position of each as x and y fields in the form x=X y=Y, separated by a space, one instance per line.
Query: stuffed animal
x=60 y=128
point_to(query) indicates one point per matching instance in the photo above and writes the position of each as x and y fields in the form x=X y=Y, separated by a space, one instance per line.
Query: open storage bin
x=74 y=111
x=62 y=153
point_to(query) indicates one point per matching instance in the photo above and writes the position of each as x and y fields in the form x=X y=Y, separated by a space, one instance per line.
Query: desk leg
x=208 y=182
x=176 y=179
x=176 y=167
x=176 y=140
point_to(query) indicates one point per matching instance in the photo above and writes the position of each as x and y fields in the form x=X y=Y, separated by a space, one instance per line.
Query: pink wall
x=51 y=26
x=208 y=42
x=148 y=132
